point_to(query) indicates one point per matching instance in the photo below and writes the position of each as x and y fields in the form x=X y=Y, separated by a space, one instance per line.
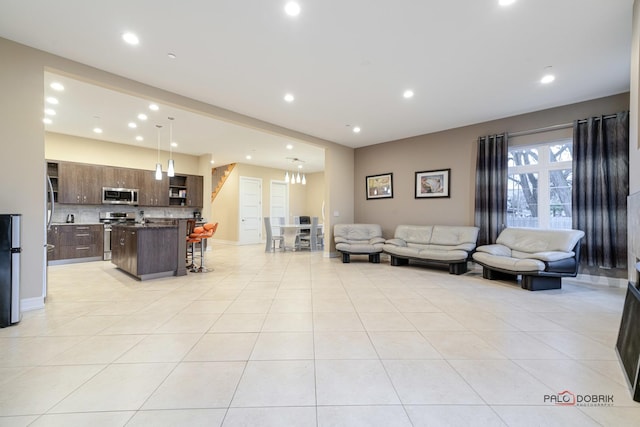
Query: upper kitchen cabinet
x=152 y=191
x=186 y=190
x=195 y=188
x=79 y=184
x=115 y=177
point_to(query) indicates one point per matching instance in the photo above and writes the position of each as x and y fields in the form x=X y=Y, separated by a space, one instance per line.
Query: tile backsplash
x=90 y=214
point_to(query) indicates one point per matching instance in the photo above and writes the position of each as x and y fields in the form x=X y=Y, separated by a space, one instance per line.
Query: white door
x=250 y=210
x=279 y=200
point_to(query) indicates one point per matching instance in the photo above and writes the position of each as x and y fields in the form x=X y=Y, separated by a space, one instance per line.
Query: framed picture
x=430 y=184
x=380 y=186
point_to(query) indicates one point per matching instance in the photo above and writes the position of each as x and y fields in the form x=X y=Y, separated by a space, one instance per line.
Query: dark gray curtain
x=491 y=187
x=601 y=187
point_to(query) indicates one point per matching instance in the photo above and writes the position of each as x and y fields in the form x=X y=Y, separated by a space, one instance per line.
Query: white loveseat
x=447 y=244
x=359 y=239
x=541 y=257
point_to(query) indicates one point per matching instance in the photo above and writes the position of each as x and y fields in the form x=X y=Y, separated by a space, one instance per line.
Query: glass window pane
x=560 y=184
x=521 y=157
x=522 y=200
x=561 y=152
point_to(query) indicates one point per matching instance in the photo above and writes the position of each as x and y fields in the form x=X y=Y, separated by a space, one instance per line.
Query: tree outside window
x=539 y=187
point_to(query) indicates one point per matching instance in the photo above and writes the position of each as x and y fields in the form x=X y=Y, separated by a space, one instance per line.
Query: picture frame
x=433 y=184
x=379 y=186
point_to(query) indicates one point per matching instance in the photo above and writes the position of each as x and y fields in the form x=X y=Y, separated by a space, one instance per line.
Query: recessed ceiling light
x=130 y=38
x=408 y=94
x=139 y=138
x=248 y=157
x=212 y=161
x=289 y=97
x=47 y=121
x=97 y=130
x=356 y=129
x=171 y=55
x=142 y=116
x=506 y=2
x=52 y=100
x=56 y=86
x=154 y=107
x=132 y=125
x=292 y=8
x=50 y=111
x=289 y=147
x=174 y=144
x=547 y=78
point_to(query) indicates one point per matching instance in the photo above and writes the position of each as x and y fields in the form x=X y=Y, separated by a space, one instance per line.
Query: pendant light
x=170 y=170
x=298 y=179
x=304 y=180
x=158 y=164
x=286 y=176
x=293 y=178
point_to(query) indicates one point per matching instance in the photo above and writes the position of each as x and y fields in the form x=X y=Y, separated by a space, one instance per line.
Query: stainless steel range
x=108 y=218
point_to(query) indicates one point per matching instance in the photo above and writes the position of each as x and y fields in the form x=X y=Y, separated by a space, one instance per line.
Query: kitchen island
x=151 y=250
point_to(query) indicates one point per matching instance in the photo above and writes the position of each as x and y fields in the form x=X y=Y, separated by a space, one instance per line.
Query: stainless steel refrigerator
x=9 y=269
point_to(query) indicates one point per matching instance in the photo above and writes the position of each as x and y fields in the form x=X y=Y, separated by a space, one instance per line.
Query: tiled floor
x=296 y=339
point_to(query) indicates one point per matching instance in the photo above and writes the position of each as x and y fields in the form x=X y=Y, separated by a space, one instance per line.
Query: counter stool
x=193 y=238
x=191 y=224
x=207 y=231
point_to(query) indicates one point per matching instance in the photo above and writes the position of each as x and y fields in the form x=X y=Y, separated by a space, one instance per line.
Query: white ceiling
x=347 y=62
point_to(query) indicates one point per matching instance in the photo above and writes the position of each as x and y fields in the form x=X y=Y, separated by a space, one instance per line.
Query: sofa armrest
x=552 y=255
x=339 y=239
x=496 y=249
x=396 y=242
x=376 y=240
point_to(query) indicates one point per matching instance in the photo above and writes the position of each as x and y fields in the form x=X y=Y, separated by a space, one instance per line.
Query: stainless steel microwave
x=119 y=196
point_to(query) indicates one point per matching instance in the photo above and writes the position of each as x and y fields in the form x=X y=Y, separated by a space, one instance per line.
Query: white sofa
x=447 y=244
x=541 y=257
x=359 y=239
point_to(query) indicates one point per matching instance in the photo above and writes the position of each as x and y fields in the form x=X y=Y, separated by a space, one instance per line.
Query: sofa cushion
x=499 y=250
x=363 y=248
x=538 y=240
x=357 y=232
x=544 y=256
x=433 y=254
x=509 y=263
x=449 y=235
x=420 y=234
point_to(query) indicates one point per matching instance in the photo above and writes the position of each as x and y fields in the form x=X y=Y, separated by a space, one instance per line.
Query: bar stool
x=207 y=231
x=191 y=225
x=192 y=239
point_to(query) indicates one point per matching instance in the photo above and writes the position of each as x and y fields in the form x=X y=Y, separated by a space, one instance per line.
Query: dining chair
x=273 y=229
x=310 y=240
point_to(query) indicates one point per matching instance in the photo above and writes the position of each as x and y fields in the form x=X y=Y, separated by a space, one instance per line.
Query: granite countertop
x=76 y=223
x=149 y=225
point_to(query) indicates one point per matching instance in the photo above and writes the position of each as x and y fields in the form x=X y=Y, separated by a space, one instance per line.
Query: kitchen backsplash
x=90 y=214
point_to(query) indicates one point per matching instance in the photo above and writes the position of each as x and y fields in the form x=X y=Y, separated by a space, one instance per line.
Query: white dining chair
x=273 y=230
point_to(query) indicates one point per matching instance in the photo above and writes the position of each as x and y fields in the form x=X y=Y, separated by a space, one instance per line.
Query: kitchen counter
x=150 y=250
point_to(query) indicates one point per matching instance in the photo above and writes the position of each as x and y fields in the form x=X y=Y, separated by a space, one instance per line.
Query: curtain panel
x=491 y=187
x=601 y=187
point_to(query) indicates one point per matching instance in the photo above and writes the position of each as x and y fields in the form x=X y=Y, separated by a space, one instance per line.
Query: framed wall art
x=431 y=184
x=380 y=186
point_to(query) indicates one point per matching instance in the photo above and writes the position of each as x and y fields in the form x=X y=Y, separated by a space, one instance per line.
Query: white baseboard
x=30 y=304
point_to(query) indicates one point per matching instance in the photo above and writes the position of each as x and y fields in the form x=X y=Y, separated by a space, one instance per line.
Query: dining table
x=291 y=231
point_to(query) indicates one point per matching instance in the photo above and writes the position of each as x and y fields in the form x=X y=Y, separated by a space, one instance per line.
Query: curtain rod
x=554 y=127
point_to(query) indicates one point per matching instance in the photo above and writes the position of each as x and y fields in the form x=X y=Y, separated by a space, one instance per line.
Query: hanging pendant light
x=304 y=180
x=170 y=167
x=158 y=164
x=298 y=179
x=286 y=176
x=293 y=178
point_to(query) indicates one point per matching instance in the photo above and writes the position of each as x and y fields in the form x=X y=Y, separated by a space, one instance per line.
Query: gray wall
x=455 y=149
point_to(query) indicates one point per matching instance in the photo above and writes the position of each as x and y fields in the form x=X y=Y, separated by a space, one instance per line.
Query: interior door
x=279 y=200
x=250 y=210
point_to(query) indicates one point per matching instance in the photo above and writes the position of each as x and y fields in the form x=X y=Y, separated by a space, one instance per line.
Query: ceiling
x=346 y=62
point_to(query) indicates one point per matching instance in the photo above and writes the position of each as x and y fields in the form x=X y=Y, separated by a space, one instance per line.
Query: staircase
x=219 y=175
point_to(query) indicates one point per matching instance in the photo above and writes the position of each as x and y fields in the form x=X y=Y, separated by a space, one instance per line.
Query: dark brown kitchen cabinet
x=116 y=177
x=153 y=192
x=186 y=190
x=79 y=184
x=145 y=251
x=195 y=188
x=75 y=241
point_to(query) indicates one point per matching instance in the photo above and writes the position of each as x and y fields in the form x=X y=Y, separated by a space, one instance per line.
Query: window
x=539 y=185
